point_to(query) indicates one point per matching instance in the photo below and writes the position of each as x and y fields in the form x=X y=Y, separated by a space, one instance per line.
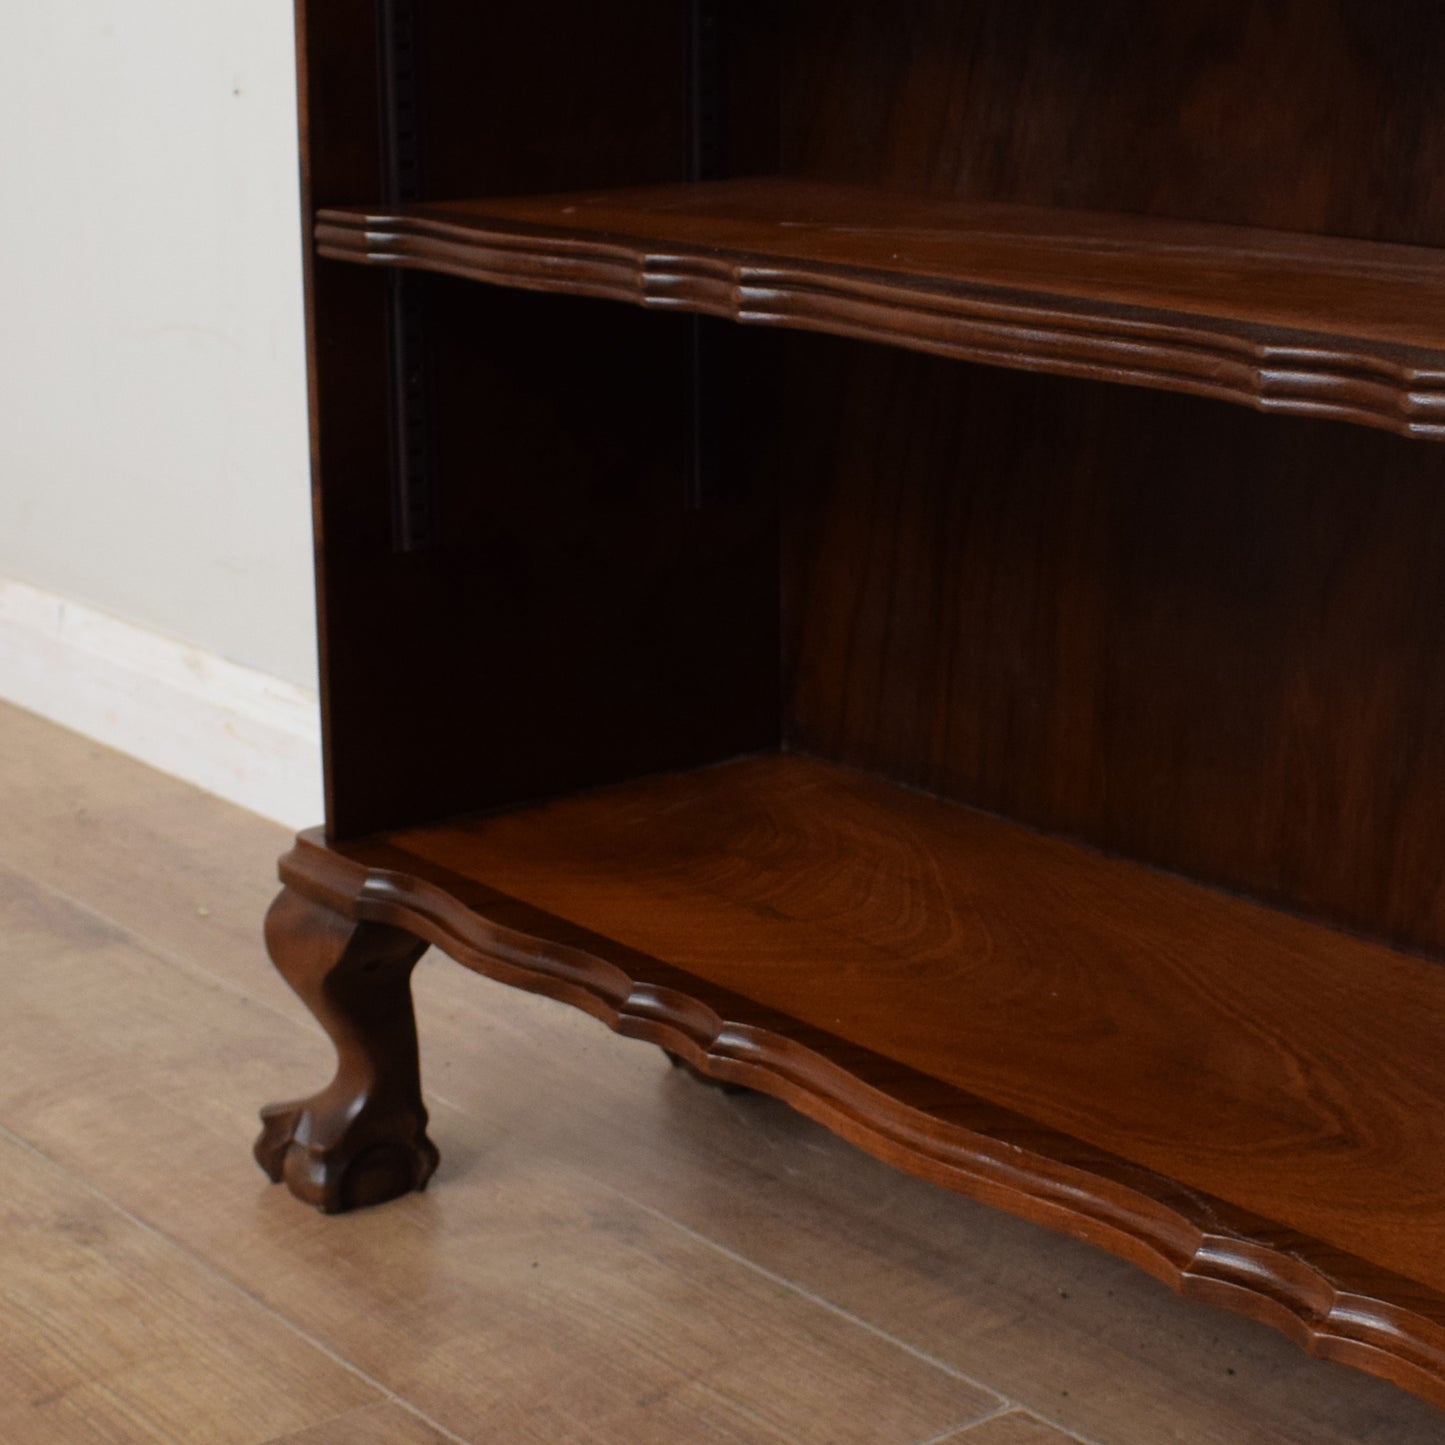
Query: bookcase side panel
x=570 y=616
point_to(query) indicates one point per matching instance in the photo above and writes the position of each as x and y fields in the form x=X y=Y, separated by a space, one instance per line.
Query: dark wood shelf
x=1287 y=322
x=1242 y=1101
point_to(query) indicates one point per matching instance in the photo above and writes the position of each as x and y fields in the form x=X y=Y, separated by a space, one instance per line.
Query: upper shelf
x=1315 y=325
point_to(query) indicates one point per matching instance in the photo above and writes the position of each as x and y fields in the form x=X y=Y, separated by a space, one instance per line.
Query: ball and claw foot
x=362 y=1139
x=363 y=1166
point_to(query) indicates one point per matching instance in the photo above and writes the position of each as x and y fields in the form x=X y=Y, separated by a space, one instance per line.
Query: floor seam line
x=803 y=1292
x=201 y=1262
x=1007 y=1408
x=159 y=952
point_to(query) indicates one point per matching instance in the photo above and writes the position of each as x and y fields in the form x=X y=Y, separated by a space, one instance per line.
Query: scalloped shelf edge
x=1336 y=1306
x=1269 y=369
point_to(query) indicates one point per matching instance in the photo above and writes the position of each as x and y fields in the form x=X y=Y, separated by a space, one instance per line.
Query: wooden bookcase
x=992 y=699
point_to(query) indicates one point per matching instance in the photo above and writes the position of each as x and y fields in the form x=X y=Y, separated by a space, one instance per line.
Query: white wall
x=152 y=401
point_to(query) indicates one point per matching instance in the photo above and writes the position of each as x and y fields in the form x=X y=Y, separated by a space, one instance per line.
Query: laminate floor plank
x=1075 y=1336
x=524 y=1303
x=1078 y=1337
x=1015 y=1428
x=388 y=1424
x=180 y=868
x=110 y=1333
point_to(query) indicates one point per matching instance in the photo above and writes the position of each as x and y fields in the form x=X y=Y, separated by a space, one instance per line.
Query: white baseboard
x=253 y=739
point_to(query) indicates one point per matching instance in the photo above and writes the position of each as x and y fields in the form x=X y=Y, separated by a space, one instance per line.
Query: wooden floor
x=660 y=1263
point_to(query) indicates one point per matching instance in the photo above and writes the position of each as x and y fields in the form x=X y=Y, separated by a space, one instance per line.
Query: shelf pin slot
x=706 y=161
x=409 y=386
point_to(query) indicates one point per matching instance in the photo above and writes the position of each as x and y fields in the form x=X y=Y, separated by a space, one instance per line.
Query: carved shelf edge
x=1270 y=368
x=1337 y=1306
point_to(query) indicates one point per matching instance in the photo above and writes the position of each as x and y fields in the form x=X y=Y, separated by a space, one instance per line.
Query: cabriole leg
x=363 y=1138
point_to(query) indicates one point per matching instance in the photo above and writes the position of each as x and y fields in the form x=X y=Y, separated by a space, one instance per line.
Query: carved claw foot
x=678 y=1062
x=362 y=1139
x=362 y=1163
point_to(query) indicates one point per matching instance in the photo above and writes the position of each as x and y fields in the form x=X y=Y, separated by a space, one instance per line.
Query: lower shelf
x=1244 y=1103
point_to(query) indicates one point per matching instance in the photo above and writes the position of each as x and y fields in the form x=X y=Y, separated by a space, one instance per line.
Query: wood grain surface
x=1312 y=325
x=391 y=1425
x=523 y=1090
x=1240 y=1101
x=1106 y=1001
x=1014 y=1428
x=1185 y=633
x=1304 y=115
x=108 y=1331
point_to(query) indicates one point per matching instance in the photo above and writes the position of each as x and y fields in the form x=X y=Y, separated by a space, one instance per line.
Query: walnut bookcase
x=938 y=701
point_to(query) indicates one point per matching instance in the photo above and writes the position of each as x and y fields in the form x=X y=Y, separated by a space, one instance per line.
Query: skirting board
x=252 y=739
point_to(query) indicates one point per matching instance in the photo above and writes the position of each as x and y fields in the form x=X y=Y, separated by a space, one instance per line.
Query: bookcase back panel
x=1310 y=115
x=1203 y=638
x=533 y=98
